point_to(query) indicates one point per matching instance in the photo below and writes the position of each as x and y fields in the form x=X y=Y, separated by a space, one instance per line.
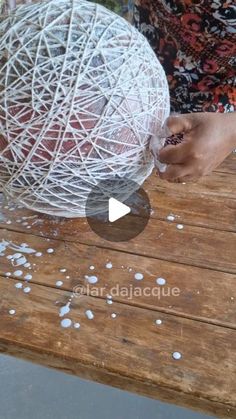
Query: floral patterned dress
x=195 y=40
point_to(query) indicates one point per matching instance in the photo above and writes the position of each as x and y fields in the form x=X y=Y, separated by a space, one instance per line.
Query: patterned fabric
x=195 y=40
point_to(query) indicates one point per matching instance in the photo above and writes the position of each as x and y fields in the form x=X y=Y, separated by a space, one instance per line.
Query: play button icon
x=117 y=209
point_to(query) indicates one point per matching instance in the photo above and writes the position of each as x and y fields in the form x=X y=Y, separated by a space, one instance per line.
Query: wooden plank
x=208 y=211
x=228 y=165
x=217 y=184
x=129 y=351
x=193 y=245
x=201 y=294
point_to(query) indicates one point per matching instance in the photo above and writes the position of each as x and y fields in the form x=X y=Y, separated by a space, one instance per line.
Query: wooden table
x=131 y=350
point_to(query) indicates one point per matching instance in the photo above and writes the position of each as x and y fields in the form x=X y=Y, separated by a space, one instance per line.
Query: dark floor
x=28 y=391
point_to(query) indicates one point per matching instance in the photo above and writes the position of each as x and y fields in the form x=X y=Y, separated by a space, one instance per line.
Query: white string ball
x=81 y=96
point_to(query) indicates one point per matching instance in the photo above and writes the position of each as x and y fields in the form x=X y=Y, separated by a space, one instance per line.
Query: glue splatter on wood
x=109 y=265
x=64 y=310
x=18 y=273
x=12 y=311
x=91 y=279
x=113 y=315
x=76 y=325
x=28 y=277
x=38 y=254
x=59 y=283
x=179 y=226
x=19 y=285
x=63 y=270
x=170 y=217
x=160 y=281
x=8 y=274
x=138 y=276
x=176 y=355
x=27 y=290
x=92 y=267
x=66 y=323
x=50 y=250
x=109 y=301
x=158 y=321
x=20 y=261
x=89 y=314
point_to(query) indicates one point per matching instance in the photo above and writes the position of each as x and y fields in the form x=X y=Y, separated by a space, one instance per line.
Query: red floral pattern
x=195 y=40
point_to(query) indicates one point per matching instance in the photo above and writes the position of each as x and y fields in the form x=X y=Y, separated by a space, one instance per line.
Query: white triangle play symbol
x=117 y=210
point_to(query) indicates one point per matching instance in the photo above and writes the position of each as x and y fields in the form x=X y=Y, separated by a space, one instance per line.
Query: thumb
x=179 y=124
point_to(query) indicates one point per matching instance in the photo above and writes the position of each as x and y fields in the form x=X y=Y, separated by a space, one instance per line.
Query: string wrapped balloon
x=81 y=96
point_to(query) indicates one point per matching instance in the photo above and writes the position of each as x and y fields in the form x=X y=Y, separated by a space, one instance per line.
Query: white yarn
x=81 y=95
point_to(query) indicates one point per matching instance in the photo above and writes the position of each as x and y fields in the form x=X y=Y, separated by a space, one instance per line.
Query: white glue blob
x=64 y=310
x=180 y=226
x=91 y=279
x=18 y=285
x=12 y=312
x=109 y=265
x=76 y=325
x=66 y=323
x=113 y=315
x=160 y=281
x=176 y=355
x=59 y=283
x=138 y=276
x=50 y=250
x=89 y=314
x=27 y=290
x=28 y=277
x=158 y=321
x=18 y=273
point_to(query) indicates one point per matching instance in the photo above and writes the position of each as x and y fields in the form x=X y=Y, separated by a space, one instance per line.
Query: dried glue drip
x=176 y=355
x=12 y=312
x=59 y=283
x=50 y=250
x=18 y=273
x=28 y=277
x=170 y=217
x=138 y=276
x=19 y=285
x=160 y=281
x=91 y=279
x=113 y=315
x=76 y=325
x=64 y=310
x=79 y=106
x=109 y=265
x=158 y=321
x=66 y=323
x=180 y=226
x=89 y=314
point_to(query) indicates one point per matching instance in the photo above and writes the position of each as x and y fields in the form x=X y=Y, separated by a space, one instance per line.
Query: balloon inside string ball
x=81 y=95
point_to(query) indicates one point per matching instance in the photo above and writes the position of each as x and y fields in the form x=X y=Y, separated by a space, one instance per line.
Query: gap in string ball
x=81 y=96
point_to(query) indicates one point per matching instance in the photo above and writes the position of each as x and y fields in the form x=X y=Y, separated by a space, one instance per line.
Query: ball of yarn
x=81 y=95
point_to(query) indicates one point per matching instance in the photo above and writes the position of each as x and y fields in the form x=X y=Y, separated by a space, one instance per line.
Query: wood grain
x=131 y=351
x=201 y=294
x=193 y=245
x=131 y=346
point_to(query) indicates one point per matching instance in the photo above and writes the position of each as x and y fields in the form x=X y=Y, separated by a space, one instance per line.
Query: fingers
x=179 y=124
x=174 y=154
x=174 y=173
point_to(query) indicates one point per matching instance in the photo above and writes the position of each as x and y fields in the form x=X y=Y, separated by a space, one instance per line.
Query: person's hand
x=208 y=138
